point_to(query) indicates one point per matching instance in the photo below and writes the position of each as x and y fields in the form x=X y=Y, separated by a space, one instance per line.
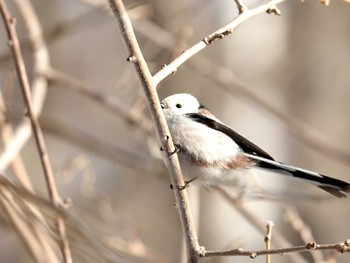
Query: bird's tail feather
x=333 y=186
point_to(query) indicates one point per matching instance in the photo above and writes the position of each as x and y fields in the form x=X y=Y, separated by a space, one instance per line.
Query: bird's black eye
x=178 y=105
x=162 y=105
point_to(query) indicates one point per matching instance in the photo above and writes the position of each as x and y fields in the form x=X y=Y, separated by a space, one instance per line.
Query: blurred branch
x=113 y=153
x=24 y=231
x=43 y=239
x=78 y=24
x=257 y=222
x=181 y=42
x=13 y=147
x=218 y=34
x=294 y=219
x=132 y=244
x=149 y=86
x=136 y=248
x=84 y=242
x=104 y=100
x=231 y=83
x=24 y=84
x=52 y=34
x=39 y=84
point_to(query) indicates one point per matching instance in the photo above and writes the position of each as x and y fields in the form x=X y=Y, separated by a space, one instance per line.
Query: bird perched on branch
x=210 y=152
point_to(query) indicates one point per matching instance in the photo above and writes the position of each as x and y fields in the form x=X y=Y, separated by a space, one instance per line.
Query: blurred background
x=281 y=81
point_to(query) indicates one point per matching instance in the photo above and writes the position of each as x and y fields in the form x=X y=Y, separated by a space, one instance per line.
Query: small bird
x=211 y=152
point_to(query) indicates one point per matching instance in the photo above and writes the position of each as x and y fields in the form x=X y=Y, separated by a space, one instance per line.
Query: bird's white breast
x=209 y=146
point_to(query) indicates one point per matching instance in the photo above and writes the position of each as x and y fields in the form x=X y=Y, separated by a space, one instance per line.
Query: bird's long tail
x=333 y=186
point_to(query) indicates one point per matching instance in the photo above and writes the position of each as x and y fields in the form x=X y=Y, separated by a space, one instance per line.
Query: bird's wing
x=246 y=145
x=264 y=161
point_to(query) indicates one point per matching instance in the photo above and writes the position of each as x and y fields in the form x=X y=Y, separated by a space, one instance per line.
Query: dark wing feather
x=246 y=145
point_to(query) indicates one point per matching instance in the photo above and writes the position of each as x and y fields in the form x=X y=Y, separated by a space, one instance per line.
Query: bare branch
x=257 y=222
x=218 y=34
x=39 y=84
x=340 y=247
x=240 y=6
x=23 y=229
x=267 y=239
x=46 y=252
x=149 y=86
x=24 y=84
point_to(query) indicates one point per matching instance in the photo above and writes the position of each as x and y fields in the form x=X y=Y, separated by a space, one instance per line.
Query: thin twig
x=257 y=222
x=44 y=158
x=240 y=6
x=292 y=216
x=41 y=62
x=82 y=235
x=218 y=34
x=267 y=239
x=340 y=247
x=149 y=86
x=9 y=207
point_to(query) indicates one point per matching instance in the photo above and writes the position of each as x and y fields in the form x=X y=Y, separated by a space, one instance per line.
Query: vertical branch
x=267 y=239
x=44 y=158
x=149 y=86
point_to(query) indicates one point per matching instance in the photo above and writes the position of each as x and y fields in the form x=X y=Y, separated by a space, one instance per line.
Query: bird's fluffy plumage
x=212 y=152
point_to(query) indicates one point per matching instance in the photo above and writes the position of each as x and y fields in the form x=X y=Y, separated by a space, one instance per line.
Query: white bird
x=211 y=152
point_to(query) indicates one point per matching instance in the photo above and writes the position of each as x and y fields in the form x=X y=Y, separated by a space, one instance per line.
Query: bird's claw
x=176 y=149
x=183 y=187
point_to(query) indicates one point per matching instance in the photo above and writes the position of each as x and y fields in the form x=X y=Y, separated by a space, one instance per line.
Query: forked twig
x=240 y=6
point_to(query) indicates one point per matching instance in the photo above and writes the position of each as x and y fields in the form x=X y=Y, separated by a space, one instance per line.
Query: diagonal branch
x=40 y=58
x=218 y=34
x=44 y=158
x=104 y=100
x=149 y=86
